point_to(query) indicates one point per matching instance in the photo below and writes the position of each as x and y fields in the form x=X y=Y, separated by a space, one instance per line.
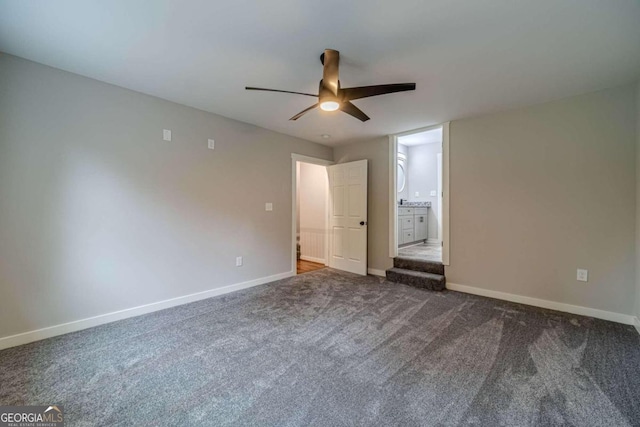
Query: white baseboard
x=376 y=272
x=636 y=323
x=434 y=242
x=313 y=259
x=77 y=325
x=552 y=305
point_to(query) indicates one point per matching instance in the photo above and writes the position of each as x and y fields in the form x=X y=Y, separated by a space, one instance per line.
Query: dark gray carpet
x=329 y=348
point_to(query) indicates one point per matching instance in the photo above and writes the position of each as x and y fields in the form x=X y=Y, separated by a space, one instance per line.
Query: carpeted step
x=415 y=264
x=418 y=279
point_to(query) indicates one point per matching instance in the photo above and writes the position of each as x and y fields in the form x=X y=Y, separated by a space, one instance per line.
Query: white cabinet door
x=420 y=224
x=348 y=217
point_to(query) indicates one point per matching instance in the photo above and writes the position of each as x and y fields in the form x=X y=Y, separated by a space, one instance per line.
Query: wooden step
x=417 y=279
x=416 y=264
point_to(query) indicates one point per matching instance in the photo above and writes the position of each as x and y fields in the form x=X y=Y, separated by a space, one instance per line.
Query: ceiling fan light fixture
x=329 y=105
x=332 y=97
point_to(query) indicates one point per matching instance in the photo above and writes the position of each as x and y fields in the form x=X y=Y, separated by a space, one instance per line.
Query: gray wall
x=377 y=152
x=535 y=194
x=637 y=311
x=98 y=213
x=423 y=177
x=538 y=192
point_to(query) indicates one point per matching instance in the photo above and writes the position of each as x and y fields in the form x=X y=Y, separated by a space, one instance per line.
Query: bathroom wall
x=423 y=178
x=404 y=194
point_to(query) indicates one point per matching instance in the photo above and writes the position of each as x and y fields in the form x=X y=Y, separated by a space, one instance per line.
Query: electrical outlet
x=268 y=206
x=417 y=194
x=583 y=275
x=211 y=144
x=433 y=193
x=238 y=261
x=166 y=134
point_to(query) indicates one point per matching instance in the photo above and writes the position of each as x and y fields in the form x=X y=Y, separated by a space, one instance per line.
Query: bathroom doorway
x=419 y=194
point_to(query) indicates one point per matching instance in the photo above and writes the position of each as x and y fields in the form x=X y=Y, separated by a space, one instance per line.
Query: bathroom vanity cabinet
x=412 y=224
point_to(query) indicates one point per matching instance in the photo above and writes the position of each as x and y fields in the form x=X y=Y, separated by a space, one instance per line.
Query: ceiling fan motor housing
x=326 y=95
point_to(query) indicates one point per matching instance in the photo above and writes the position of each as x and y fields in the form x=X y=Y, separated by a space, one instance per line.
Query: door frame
x=295 y=158
x=439 y=160
x=393 y=194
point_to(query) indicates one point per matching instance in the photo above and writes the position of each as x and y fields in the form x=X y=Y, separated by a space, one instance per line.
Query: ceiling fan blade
x=303 y=112
x=354 y=111
x=330 y=59
x=282 y=91
x=351 y=93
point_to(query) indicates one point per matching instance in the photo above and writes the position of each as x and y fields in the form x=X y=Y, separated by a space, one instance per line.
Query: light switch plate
x=433 y=193
x=583 y=275
x=417 y=194
x=238 y=261
x=268 y=206
x=211 y=144
x=166 y=134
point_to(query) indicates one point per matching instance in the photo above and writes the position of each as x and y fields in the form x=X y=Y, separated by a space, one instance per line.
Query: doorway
x=311 y=217
x=329 y=214
x=310 y=214
x=419 y=194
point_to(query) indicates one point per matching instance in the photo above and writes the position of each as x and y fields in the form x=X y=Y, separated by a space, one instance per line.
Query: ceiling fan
x=332 y=97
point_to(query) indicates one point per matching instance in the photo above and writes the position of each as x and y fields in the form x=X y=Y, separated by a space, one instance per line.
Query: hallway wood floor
x=307 y=266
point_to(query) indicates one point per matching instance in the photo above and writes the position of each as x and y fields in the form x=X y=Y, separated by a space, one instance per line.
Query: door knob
x=363 y=223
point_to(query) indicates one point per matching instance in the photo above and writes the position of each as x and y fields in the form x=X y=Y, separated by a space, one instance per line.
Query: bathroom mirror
x=401 y=176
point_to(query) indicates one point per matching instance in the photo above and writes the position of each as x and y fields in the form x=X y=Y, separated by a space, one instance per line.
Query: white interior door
x=348 y=216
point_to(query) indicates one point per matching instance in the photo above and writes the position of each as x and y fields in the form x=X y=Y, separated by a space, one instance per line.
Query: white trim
x=312 y=160
x=439 y=214
x=294 y=216
x=294 y=186
x=313 y=259
x=446 y=243
x=419 y=130
x=552 y=305
x=434 y=242
x=327 y=201
x=376 y=272
x=90 y=322
x=636 y=323
x=393 y=196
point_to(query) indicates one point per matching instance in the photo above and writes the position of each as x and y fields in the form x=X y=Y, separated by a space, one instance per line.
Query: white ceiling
x=420 y=138
x=467 y=57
